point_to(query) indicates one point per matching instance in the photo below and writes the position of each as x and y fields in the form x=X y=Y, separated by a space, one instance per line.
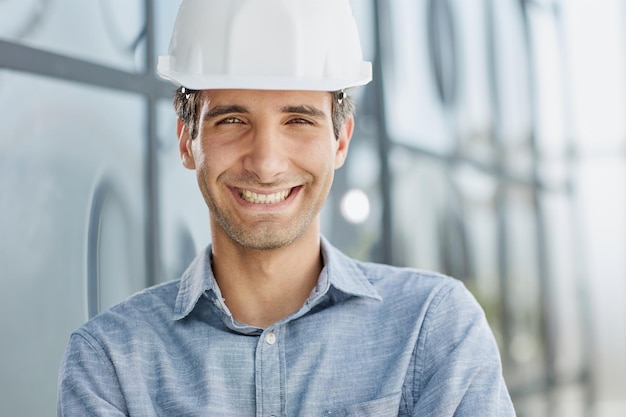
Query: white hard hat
x=265 y=45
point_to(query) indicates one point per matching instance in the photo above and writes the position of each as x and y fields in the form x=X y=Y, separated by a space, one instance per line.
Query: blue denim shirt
x=371 y=340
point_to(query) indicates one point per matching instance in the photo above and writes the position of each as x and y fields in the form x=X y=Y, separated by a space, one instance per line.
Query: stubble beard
x=266 y=234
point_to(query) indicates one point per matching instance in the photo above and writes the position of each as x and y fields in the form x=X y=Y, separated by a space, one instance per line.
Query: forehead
x=269 y=98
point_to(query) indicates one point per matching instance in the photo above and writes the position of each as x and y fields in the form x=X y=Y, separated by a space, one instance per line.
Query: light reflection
x=355 y=206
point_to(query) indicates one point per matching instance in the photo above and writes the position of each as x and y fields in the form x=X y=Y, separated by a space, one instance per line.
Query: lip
x=293 y=192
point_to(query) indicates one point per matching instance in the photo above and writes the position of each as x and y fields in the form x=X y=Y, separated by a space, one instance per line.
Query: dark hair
x=186 y=103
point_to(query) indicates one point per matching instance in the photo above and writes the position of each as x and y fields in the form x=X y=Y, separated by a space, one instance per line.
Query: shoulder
x=387 y=281
x=436 y=303
x=405 y=282
x=142 y=312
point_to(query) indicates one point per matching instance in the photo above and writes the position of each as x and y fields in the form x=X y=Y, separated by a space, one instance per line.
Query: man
x=271 y=320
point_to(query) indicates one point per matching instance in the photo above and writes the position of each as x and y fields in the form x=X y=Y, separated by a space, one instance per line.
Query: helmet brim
x=262 y=82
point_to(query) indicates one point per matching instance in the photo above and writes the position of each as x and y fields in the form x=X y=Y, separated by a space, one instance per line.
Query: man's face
x=265 y=162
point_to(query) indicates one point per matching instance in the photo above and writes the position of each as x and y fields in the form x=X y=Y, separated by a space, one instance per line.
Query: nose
x=266 y=158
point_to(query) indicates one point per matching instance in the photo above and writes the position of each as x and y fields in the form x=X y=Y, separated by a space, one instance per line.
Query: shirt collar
x=197 y=279
x=344 y=273
x=340 y=272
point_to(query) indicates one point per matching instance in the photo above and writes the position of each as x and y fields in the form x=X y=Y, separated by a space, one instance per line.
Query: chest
x=307 y=367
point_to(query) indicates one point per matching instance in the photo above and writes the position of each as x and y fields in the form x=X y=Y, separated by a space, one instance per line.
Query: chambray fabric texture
x=371 y=340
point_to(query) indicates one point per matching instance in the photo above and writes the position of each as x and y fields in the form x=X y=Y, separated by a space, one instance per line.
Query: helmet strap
x=340 y=97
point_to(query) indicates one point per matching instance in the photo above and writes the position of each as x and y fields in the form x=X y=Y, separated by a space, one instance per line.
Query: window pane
x=71 y=198
x=107 y=32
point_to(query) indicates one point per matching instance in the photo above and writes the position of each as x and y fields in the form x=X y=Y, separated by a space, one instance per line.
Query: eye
x=300 y=121
x=229 y=121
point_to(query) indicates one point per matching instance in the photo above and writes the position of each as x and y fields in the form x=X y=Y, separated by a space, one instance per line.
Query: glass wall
x=500 y=134
x=79 y=108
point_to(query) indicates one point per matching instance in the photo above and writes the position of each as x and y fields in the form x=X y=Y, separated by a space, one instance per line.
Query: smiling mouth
x=256 y=198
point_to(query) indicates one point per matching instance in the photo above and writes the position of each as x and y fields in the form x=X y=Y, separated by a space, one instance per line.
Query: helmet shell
x=265 y=45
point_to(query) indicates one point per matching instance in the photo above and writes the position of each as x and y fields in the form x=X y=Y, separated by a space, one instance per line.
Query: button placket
x=268 y=375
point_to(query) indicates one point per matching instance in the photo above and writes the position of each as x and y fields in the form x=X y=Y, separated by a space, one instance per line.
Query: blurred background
x=491 y=147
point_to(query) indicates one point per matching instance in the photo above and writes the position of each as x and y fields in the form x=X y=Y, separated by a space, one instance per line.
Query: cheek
x=322 y=150
x=322 y=161
x=207 y=156
x=213 y=160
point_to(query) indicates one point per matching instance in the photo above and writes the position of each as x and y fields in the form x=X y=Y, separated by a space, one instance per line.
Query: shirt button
x=270 y=338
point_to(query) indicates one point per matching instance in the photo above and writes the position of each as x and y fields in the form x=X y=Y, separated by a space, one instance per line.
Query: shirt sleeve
x=88 y=385
x=458 y=366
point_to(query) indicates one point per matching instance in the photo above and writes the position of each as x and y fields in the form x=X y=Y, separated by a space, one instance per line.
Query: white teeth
x=255 y=198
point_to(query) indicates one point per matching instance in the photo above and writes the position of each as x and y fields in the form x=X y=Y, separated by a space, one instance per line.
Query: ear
x=185 y=145
x=343 y=142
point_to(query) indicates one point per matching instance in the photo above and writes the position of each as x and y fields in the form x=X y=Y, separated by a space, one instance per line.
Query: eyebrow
x=305 y=110
x=311 y=111
x=222 y=110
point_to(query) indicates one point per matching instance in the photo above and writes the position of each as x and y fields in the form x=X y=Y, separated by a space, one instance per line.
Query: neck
x=262 y=287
